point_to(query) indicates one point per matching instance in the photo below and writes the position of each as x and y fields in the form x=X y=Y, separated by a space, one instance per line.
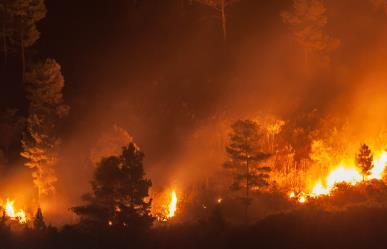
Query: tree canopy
x=308 y=20
x=119 y=195
x=244 y=158
x=364 y=160
x=44 y=85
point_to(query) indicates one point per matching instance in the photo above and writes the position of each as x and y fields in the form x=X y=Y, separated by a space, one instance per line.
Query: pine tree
x=39 y=223
x=120 y=193
x=23 y=15
x=308 y=21
x=12 y=124
x=245 y=157
x=364 y=160
x=6 y=28
x=44 y=84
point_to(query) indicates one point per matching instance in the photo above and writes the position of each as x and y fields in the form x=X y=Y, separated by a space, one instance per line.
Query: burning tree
x=120 y=192
x=44 y=84
x=364 y=160
x=244 y=157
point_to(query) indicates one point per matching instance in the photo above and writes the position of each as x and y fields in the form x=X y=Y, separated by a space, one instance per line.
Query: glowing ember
x=9 y=209
x=172 y=204
x=219 y=200
x=302 y=199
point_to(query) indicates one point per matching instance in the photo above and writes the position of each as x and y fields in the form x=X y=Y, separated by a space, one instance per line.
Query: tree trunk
x=5 y=49
x=224 y=19
x=247 y=190
x=23 y=57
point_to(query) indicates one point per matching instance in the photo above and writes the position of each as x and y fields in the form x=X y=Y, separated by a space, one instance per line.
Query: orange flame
x=343 y=173
x=172 y=204
x=9 y=209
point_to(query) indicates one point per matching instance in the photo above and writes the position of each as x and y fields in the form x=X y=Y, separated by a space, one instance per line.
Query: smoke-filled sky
x=161 y=71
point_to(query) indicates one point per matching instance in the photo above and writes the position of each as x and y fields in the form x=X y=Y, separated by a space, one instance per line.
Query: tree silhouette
x=6 y=28
x=244 y=158
x=12 y=124
x=39 y=223
x=364 y=160
x=307 y=21
x=24 y=14
x=119 y=193
x=44 y=84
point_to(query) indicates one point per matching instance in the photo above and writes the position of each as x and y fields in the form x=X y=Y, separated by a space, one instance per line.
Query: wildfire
x=10 y=212
x=302 y=199
x=172 y=204
x=341 y=174
x=349 y=174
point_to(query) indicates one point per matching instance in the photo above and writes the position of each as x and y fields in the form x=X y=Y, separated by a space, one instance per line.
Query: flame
x=319 y=189
x=21 y=215
x=302 y=199
x=9 y=209
x=172 y=205
x=379 y=166
x=342 y=173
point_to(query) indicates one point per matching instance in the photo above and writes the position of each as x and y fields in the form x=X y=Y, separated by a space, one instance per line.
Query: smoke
x=166 y=77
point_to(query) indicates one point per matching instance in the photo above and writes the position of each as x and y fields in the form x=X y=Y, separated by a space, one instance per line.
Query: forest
x=193 y=124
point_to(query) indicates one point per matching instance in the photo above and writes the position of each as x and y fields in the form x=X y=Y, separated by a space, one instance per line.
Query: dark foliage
x=245 y=157
x=307 y=228
x=364 y=160
x=39 y=223
x=119 y=195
